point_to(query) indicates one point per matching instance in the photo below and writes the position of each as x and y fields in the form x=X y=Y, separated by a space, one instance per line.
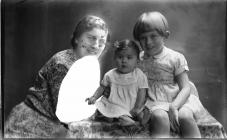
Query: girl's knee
x=188 y=126
x=185 y=114
x=160 y=126
x=160 y=116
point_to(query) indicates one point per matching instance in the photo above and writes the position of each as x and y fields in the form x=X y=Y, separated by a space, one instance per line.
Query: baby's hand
x=90 y=100
x=143 y=116
x=135 y=112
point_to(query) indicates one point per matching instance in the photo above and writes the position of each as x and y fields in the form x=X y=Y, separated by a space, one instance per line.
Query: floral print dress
x=35 y=116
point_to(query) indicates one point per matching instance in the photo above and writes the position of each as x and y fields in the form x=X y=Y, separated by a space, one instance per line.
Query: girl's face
x=126 y=60
x=92 y=42
x=152 y=42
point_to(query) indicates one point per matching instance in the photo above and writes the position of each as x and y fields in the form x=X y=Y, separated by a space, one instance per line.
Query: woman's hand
x=173 y=117
x=91 y=100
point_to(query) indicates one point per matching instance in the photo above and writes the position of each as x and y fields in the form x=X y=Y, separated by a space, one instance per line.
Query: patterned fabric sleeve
x=35 y=117
x=142 y=79
x=57 y=74
x=181 y=64
x=44 y=93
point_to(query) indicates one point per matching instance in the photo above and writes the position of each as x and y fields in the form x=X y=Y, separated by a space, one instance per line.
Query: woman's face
x=92 y=42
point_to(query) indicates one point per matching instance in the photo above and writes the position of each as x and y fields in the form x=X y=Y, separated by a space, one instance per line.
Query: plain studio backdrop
x=34 y=30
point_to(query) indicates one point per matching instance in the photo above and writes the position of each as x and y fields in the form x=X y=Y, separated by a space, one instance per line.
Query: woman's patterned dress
x=35 y=116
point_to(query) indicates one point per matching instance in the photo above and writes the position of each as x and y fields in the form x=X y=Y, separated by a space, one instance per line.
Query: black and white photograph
x=118 y=69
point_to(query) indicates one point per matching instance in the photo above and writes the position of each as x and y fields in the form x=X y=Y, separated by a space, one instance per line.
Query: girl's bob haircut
x=151 y=21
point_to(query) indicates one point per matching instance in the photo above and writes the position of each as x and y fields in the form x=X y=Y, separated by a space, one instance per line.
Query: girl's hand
x=173 y=117
x=90 y=100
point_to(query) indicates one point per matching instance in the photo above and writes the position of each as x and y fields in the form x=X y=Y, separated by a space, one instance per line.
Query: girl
x=127 y=83
x=172 y=102
x=35 y=117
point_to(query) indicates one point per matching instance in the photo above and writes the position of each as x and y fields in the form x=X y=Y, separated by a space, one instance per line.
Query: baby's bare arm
x=98 y=93
x=140 y=101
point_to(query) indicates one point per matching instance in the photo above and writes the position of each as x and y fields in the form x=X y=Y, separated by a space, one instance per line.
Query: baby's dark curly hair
x=124 y=44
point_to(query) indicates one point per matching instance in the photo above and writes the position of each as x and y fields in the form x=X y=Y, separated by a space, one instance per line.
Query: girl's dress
x=160 y=71
x=35 y=117
x=81 y=81
x=123 y=92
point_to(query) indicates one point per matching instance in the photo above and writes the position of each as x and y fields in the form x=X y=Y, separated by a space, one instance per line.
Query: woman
x=35 y=117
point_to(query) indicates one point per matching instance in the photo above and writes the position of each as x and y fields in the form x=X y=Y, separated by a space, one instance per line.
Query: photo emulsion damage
x=113 y=69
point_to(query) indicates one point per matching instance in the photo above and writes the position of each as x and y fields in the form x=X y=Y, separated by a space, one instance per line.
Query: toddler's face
x=126 y=60
x=92 y=41
x=152 y=42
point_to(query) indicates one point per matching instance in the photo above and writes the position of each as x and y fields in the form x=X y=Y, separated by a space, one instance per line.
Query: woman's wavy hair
x=87 y=23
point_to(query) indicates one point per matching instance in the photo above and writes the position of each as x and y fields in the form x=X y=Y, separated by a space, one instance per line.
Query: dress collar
x=158 y=56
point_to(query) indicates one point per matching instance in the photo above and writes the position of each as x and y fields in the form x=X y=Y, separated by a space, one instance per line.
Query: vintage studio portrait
x=139 y=69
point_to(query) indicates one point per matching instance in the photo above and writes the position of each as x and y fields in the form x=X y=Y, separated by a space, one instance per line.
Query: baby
x=128 y=86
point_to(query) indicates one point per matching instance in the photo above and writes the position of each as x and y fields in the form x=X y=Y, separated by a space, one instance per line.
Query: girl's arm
x=183 y=83
x=140 y=101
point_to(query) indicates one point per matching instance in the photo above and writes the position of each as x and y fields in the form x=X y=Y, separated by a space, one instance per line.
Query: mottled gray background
x=33 y=30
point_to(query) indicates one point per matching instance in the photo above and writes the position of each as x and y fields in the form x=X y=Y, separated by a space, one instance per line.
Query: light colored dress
x=160 y=71
x=81 y=81
x=123 y=92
